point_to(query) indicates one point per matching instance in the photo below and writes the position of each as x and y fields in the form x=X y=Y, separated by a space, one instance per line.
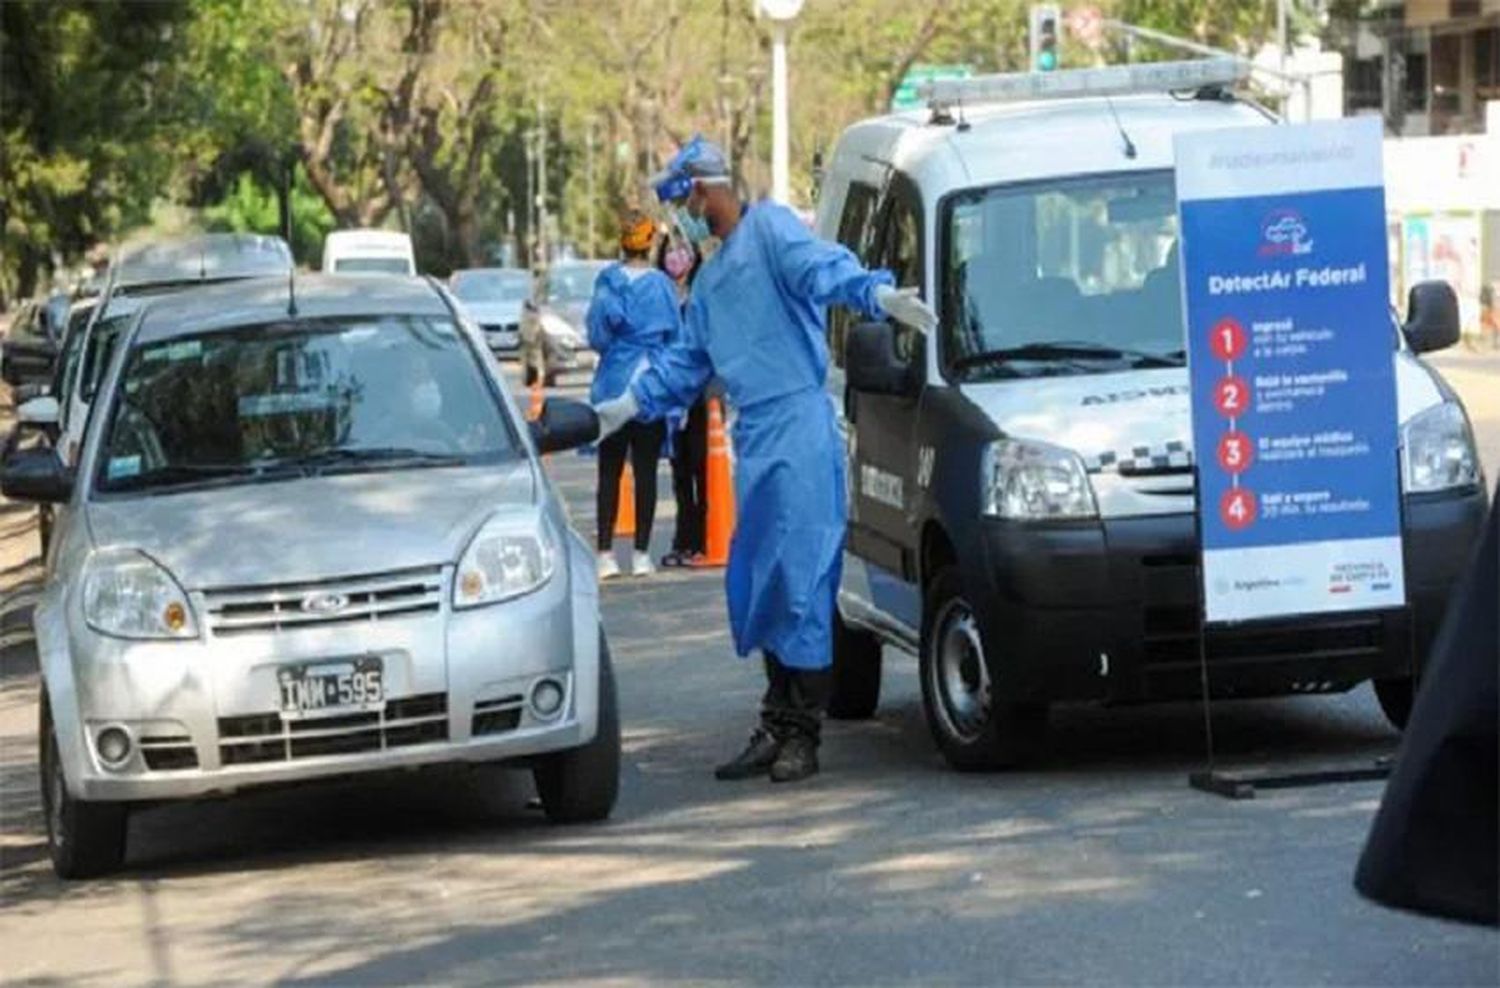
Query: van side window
x=900 y=251
x=854 y=232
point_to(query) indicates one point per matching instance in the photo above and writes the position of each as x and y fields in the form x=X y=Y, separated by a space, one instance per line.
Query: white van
x=1022 y=510
x=368 y=252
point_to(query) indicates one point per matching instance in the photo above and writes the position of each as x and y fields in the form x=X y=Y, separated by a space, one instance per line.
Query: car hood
x=312 y=529
x=1098 y=415
x=494 y=313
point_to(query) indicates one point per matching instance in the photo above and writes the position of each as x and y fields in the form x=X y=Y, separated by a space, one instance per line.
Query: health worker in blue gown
x=756 y=321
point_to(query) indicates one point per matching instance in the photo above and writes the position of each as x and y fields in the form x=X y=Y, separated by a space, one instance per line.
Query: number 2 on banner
x=1231 y=396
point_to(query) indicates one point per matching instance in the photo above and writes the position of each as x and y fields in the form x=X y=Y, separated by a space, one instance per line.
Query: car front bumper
x=1111 y=612
x=203 y=716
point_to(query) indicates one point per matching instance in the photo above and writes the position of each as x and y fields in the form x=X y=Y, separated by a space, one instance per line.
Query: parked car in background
x=29 y=353
x=569 y=289
x=368 y=252
x=305 y=542
x=493 y=298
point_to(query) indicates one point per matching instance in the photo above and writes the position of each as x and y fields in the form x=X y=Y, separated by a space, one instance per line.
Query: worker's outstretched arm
x=823 y=272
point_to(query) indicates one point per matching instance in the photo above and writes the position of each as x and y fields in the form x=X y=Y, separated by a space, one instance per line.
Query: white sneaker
x=641 y=564
x=608 y=568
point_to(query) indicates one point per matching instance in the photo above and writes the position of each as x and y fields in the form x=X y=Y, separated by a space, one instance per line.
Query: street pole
x=1281 y=34
x=781 y=13
x=780 y=140
x=589 y=178
x=541 y=177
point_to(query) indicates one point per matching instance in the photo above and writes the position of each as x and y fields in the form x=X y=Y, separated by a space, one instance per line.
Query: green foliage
x=255 y=207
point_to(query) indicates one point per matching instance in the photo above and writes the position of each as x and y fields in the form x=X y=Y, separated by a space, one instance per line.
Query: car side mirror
x=39 y=412
x=871 y=363
x=1432 y=321
x=564 y=424
x=36 y=475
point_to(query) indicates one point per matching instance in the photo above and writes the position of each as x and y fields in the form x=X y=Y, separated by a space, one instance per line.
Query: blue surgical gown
x=756 y=319
x=632 y=314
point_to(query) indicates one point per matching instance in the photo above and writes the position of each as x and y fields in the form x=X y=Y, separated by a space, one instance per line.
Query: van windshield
x=1072 y=277
x=372 y=265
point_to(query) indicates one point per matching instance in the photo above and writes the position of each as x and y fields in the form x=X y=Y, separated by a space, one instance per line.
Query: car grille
x=380 y=597
x=497 y=716
x=266 y=737
x=166 y=753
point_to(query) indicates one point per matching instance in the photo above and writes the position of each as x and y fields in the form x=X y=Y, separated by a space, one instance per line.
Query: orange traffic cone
x=625 y=517
x=719 y=523
x=537 y=401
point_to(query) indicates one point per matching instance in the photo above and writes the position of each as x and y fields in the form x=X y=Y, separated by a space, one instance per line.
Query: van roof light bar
x=1111 y=80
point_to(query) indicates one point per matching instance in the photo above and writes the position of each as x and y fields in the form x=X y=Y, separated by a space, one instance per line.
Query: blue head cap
x=698 y=159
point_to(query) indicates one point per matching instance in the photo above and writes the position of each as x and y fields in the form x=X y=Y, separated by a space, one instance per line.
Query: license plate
x=326 y=689
x=506 y=338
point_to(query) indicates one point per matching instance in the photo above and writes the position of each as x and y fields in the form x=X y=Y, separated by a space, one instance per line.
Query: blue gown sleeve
x=822 y=272
x=678 y=372
x=603 y=315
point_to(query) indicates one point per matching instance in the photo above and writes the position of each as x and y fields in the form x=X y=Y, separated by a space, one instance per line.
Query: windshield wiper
x=384 y=457
x=175 y=477
x=1067 y=351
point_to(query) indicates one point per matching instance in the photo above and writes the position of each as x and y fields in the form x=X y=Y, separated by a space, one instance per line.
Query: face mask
x=678 y=262
x=695 y=228
x=427 y=400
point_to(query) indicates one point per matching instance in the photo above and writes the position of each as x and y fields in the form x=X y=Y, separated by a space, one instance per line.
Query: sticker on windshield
x=185 y=350
x=286 y=403
x=124 y=466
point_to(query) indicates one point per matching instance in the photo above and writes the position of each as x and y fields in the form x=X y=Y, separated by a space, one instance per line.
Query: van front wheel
x=973 y=729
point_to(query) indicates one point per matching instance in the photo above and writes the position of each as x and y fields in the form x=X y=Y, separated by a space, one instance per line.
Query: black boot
x=755 y=760
x=797 y=759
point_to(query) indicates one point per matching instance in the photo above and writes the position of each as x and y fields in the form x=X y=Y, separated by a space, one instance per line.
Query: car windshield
x=492 y=286
x=294 y=399
x=1073 y=277
x=572 y=283
x=372 y=265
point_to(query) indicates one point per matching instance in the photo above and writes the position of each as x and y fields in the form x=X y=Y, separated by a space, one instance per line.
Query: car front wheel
x=973 y=729
x=85 y=838
x=580 y=785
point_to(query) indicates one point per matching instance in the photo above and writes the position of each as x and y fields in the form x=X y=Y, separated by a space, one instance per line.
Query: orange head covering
x=637 y=231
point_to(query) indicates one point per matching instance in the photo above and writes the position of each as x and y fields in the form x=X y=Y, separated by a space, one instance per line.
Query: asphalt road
x=1099 y=866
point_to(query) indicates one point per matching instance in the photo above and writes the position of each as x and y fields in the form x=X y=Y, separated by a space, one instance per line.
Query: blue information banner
x=1291 y=362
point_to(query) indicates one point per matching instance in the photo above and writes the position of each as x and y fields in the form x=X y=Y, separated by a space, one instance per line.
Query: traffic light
x=1046 y=19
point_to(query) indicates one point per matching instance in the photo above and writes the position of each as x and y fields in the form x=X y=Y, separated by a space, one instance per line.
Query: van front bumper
x=1110 y=611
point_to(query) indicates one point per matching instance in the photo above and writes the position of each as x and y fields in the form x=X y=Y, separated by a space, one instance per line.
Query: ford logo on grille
x=324 y=603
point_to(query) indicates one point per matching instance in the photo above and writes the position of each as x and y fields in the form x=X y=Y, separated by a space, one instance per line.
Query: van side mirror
x=37 y=475
x=564 y=424
x=871 y=363
x=1432 y=321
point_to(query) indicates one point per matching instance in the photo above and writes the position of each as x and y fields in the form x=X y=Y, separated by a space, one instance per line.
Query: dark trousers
x=795 y=699
x=690 y=480
x=642 y=442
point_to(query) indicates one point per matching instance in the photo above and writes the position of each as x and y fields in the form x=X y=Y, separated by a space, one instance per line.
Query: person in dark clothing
x=635 y=312
x=687 y=434
x=1435 y=844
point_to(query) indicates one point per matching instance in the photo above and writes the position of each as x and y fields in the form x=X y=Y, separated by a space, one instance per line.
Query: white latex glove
x=903 y=305
x=614 y=413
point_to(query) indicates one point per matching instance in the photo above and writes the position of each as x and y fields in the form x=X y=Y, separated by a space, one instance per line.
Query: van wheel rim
x=960 y=676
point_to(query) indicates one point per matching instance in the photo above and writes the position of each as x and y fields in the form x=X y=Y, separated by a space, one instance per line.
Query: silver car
x=309 y=536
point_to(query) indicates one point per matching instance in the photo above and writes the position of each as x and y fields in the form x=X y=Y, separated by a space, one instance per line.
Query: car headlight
x=1437 y=451
x=1034 y=481
x=510 y=555
x=127 y=594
